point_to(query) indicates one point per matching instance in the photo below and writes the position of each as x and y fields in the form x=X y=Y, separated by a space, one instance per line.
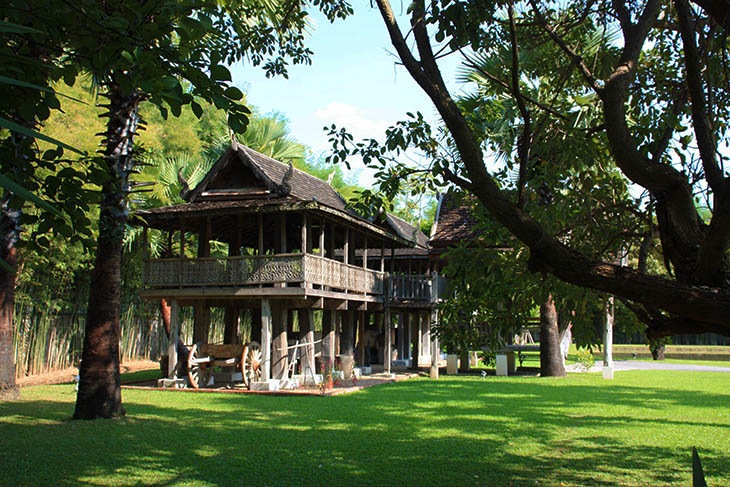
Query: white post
x=266 y=338
x=172 y=348
x=608 y=340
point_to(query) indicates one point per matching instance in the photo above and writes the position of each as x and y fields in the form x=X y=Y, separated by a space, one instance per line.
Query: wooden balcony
x=415 y=288
x=304 y=270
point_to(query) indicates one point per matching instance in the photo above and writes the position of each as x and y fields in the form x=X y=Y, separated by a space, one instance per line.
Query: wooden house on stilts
x=293 y=247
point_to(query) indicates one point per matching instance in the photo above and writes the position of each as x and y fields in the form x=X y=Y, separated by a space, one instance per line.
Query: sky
x=353 y=82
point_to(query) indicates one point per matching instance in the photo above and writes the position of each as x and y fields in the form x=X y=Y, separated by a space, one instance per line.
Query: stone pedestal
x=608 y=372
x=267 y=385
x=346 y=362
x=501 y=367
x=452 y=364
x=172 y=383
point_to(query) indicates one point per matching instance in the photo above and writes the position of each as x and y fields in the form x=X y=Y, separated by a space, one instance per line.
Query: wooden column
x=415 y=337
x=172 y=347
x=328 y=337
x=232 y=315
x=435 y=348
x=256 y=325
x=204 y=239
x=231 y=321
x=361 y=338
x=306 y=237
x=382 y=256
x=388 y=344
x=182 y=238
x=347 y=338
x=321 y=239
x=306 y=335
x=400 y=335
x=261 y=233
x=279 y=354
x=365 y=252
x=346 y=247
x=266 y=331
x=201 y=321
x=282 y=233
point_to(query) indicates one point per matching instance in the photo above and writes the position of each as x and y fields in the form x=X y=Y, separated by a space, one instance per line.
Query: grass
x=514 y=431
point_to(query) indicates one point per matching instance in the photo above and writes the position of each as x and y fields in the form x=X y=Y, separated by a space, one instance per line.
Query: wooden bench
x=506 y=357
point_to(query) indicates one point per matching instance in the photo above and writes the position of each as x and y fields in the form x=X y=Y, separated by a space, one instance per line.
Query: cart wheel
x=251 y=363
x=198 y=373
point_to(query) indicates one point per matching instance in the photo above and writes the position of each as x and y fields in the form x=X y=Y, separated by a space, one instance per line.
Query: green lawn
x=637 y=430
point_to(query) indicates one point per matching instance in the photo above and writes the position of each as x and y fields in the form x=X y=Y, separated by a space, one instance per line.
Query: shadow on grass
x=450 y=432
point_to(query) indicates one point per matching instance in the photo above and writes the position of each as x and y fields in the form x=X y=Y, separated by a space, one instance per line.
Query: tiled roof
x=455 y=220
x=406 y=230
x=302 y=185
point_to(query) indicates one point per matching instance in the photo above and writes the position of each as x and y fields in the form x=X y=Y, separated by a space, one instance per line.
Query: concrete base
x=307 y=378
x=608 y=372
x=357 y=372
x=452 y=364
x=288 y=384
x=172 y=383
x=401 y=363
x=366 y=370
x=229 y=377
x=269 y=385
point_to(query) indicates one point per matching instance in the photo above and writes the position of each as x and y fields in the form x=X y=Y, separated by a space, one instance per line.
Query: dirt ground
x=66 y=375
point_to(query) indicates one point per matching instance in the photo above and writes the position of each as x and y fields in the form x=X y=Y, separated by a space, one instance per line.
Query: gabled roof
x=405 y=230
x=278 y=178
x=455 y=220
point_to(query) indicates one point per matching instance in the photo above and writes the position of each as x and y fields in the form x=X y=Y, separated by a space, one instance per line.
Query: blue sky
x=353 y=81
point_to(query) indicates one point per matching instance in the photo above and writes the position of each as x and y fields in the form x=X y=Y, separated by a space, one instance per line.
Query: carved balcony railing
x=304 y=269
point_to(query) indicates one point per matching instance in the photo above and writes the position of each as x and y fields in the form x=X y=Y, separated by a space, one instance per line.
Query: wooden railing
x=415 y=287
x=261 y=269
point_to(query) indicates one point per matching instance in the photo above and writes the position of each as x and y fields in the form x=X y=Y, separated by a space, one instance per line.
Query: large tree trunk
x=9 y=232
x=99 y=393
x=551 y=362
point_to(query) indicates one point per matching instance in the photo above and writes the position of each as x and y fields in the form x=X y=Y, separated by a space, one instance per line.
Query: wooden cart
x=204 y=356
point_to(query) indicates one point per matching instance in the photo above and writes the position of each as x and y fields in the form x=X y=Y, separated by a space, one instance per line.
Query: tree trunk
x=657 y=351
x=551 y=363
x=99 y=393
x=9 y=233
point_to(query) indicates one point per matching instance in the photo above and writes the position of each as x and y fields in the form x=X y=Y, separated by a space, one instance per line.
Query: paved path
x=639 y=365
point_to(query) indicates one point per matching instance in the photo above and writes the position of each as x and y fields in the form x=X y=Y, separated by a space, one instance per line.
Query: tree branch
x=700 y=121
x=525 y=140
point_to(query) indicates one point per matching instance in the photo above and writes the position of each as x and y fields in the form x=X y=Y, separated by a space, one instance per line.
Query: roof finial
x=184 y=188
x=285 y=187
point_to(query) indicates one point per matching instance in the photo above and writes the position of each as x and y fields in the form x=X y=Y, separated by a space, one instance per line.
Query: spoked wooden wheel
x=251 y=363
x=198 y=366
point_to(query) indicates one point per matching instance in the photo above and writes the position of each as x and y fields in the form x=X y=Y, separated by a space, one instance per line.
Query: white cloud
x=356 y=120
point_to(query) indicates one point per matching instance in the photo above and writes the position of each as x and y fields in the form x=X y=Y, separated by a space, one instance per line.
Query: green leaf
x=18 y=29
x=37 y=135
x=219 y=72
x=197 y=109
x=17 y=189
x=233 y=93
x=24 y=84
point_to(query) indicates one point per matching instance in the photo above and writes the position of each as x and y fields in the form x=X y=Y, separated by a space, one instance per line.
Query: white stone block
x=357 y=372
x=366 y=370
x=608 y=372
x=177 y=383
x=268 y=385
x=452 y=364
x=502 y=364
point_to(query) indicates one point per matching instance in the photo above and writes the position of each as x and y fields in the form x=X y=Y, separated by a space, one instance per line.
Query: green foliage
x=585 y=359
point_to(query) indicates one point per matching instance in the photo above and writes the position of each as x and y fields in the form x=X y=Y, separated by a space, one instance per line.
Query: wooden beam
x=382 y=256
x=306 y=238
x=361 y=338
x=346 y=247
x=279 y=356
x=365 y=252
x=306 y=335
